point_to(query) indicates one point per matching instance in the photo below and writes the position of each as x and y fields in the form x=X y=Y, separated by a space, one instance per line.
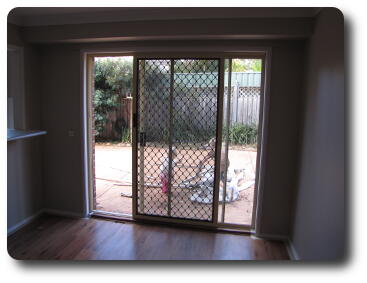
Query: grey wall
x=14 y=35
x=62 y=111
x=308 y=168
x=286 y=84
x=319 y=217
x=245 y=28
x=24 y=177
x=58 y=102
x=24 y=157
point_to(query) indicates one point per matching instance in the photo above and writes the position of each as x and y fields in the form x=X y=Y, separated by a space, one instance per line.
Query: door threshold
x=112 y=215
x=128 y=218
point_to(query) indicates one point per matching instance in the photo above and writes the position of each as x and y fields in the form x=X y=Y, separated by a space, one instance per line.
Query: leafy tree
x=195 y=66
x=243 y=134
x=112 y=81
x=246 y=65
x=256 y=65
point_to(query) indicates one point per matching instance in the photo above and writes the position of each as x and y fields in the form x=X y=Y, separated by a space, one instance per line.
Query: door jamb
x=251 y=53
x=87 y=88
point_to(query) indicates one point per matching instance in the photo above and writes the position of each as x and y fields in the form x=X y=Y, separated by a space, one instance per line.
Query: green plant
x=112 y=81
x=245 y=65
x=104 y=102
x=243 y=134
x=126 y=136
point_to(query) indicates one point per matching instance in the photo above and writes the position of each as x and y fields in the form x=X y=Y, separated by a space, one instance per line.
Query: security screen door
x=176 y=133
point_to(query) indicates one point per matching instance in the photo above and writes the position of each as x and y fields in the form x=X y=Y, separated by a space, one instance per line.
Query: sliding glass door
x=197 y=125
x=177 y=124
x=242 y=108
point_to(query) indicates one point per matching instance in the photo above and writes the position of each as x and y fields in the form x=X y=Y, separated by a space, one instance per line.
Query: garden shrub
x=113 y=79
x=126 y=136
x=243 y=134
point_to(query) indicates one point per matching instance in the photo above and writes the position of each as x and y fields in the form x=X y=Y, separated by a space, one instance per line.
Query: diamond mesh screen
x=177 y=124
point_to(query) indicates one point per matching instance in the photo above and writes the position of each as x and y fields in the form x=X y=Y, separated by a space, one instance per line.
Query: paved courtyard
x=113 y=178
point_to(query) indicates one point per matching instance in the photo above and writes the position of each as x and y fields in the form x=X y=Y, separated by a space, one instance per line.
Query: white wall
x=62 y=111
x=60 y=100
x=24 y=177
x=319 y=217
x=24 y=157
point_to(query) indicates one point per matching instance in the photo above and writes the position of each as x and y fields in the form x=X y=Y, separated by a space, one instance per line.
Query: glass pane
x=177 y=118
x=153 y=130
x=240 y=130
x=112 y=116
x=224 y=139
x=194 y=116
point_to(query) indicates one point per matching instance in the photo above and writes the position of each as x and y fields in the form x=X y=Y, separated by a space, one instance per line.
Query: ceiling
x=78 y=15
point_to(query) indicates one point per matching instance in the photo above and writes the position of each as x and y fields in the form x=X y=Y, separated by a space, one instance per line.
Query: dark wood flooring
x=52 y=237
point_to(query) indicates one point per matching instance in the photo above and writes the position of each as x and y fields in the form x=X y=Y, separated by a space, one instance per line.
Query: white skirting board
x=287 y=242
x=64 y=213
x=24 y=222
x=292 y=251
x=29 y=219
x=271 y=237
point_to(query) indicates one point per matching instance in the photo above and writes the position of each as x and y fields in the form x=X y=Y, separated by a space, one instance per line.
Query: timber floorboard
x=62 y=238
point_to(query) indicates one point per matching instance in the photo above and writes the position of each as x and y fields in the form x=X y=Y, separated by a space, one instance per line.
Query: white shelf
x=14 y=134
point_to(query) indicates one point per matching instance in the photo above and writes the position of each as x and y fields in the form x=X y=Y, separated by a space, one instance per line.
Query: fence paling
x=245 y=106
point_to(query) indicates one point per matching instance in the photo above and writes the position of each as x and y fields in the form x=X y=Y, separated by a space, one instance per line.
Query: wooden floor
x=52 y=237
